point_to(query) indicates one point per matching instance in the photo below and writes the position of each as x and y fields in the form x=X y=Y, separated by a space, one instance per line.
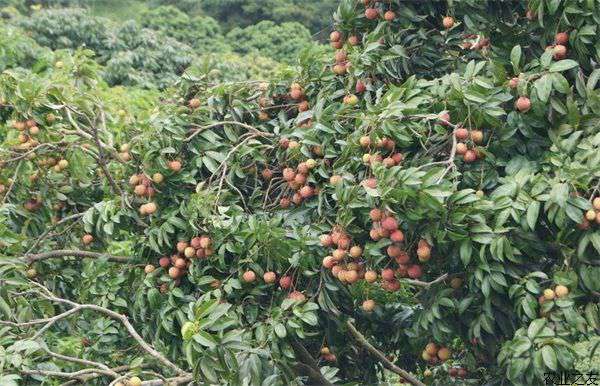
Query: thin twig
x=12 y=183
x=75 y=216
x=118 y=370
x=29 y=259
x=408 y=377
x=199 y=129
x=47 y=294
x=424 y=284
x=86 y=362
x=450 y=160
x=61 y=374
x=33 y=150
x=102 y=162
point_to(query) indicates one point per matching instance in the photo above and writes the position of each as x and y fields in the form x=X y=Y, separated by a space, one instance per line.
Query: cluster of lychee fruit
x=297 y=94
x=199 y=247
x=327 y=355
x=386 y=226
x=457 y=372
x=383 y=145
x=124 y=153
x=560 y=291
x=270 y=277
x=433 y=353
x=559 y=49
x=28 y=130
x=591 y=216
x=337 y=40
x=462 y=147
x=342 y=64
x=372 y=13
x=475 y=42
x=57 y=165
x=343 y=260
x=297 y=180
x=33 y=204
x=143 y=187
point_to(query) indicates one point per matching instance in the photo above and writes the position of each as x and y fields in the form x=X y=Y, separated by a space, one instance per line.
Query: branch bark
x=424 y=284
x=76 y=216
x=47 y=294
x=29 y=259
x=184 y=379
x=308 y=365
x=408 y=377
x=253 y=129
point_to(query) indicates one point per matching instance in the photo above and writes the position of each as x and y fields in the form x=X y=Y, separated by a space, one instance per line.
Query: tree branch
x=184 y=379
x=308 y=365
x=450 y=160
x=102 y=162
x=29 y=259
x=118 y=369
x=47 y=294
x=253 y=129
x=424 y=284
x=47 y=232
x=12 y=184
x=79 y=361
x=60 y=374
x=382 y=358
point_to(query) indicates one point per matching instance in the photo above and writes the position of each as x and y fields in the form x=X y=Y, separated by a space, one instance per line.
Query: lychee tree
x=421 y=204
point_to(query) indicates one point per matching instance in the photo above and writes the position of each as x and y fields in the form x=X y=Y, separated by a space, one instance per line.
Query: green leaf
x=535 y=327
x=205 y=339
x=563 y=65
x=515 y=58
x=543 y=86
x=532 y=214
x=466 y=249
x=549 y=357
x=520 y=345
x=280 y=330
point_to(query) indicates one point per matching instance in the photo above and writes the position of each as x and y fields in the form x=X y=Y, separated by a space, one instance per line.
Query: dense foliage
x=314 y=14
x=201 y=32
x=280 y=42
x=155 y=51
x=423 y=204
x=133 y=55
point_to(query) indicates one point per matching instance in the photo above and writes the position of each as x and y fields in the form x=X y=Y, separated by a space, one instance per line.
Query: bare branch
x=47 y=294
x=408 y=377
x=199 y=129
x=75 y=216
x=60 y=374
x=184 y=379
x=424 y=284
x=47 y=321
x=450 y=160
x=118 y=369
x=67 y=252
x=12 y=184
x=79 y=361
x=33 y=150
x=308 y=365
